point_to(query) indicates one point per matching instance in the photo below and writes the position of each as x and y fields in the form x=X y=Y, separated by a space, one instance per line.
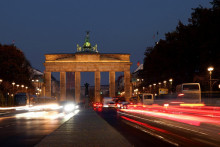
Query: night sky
x=117 y=26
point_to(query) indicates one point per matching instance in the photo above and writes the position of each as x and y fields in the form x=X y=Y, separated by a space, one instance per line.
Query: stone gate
x=87 y=59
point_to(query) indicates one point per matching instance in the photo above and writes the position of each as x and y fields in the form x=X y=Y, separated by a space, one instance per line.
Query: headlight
x=69 y=107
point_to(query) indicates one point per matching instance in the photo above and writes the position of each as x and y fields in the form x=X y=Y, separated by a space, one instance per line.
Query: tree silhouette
x=187 y=51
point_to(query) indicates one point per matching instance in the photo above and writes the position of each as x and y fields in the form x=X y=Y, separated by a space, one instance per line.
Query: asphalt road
x=148 y=130
x=27 y=128
x=137 y=137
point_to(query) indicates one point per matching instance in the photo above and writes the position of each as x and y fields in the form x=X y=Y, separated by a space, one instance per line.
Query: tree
x=14 y=67
x=188 y=50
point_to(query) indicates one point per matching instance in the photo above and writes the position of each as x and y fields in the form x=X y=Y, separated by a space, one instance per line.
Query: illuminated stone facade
x=87 y=59
x=87 y=62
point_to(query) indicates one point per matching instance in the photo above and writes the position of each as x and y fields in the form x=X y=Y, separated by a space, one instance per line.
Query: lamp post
x=150 y=86
x=22 y=86
x=37 y=83
x=13 y=83
x=210 y=69
x=28 y=95
x=18 y=86
x=0 y=90
x=13 y=93
x=165 y=84
x=171 y=82
x=154 y=85
x=159 y=84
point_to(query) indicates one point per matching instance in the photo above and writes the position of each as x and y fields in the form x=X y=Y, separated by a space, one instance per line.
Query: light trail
x=189 y=115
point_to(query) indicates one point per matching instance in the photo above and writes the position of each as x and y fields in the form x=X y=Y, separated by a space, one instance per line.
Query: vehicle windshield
x=147 y=96
x=190 y=87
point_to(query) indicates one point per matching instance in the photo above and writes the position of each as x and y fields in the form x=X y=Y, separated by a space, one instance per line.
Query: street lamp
x=159 y=84
x=171 y=81
x=28 y=95
x=13 y=83
x=22 y=86
x=210 y=69
x=1 y=81
x=165 y=82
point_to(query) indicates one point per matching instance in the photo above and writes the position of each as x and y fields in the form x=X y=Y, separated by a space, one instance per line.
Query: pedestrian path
x=85 y=129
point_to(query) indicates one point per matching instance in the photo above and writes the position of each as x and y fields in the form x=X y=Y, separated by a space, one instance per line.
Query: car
x=67 y=106
x=122 y=105
x=97 y=105
x=111 y=104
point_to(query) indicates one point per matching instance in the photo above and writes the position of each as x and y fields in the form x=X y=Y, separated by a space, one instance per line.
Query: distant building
x=38 y=83
x=137 y=79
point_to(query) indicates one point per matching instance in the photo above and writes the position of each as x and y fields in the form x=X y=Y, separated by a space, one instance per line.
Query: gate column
x=111 y=83
x=62 y=86
x=127 y=85
x=77 y=86
x=97 y=86
x=47 y=84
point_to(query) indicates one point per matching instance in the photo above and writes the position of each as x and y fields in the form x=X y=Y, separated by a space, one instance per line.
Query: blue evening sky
x=117 y=26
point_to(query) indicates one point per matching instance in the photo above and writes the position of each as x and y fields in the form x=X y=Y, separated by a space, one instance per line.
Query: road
x=141 y=126
x=136 y=137
x=23 y=128
x=175 y=126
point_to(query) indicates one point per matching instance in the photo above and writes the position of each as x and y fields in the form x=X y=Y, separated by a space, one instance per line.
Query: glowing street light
x=13 y=83
x=210 y=69
x=159 y=84
x=22 y=86
x=1 y=81
x=165 y=83
x=170 y=80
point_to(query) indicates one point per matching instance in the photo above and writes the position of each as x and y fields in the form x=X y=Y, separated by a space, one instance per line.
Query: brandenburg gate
x=87 y=59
